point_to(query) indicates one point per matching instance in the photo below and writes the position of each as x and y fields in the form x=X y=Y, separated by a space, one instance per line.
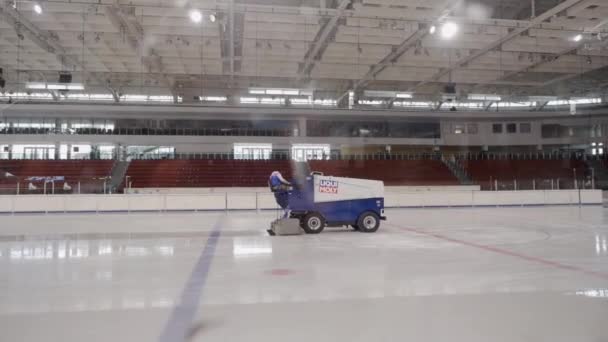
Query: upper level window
x=511 y=128
x=252 y=151
x=525 y=127
x=472 y=128
x=496 y=128
x=458 y=129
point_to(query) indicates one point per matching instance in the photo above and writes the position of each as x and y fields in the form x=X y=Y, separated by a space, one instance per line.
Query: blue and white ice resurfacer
x=326 y=201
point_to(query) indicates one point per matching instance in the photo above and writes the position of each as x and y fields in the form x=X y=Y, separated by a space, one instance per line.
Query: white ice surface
x=507 y=274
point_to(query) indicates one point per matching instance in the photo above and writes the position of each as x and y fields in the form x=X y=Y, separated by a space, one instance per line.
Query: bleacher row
x=203 y=173
x=254 y=173
x=88 y=173
x=392 y=172
x=525 y=172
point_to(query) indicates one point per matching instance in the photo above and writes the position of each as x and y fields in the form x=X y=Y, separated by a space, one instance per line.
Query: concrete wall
x=265 y=200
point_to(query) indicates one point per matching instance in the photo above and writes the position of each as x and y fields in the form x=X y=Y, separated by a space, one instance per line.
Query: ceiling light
x=213 y=98
x=212 y=17
x=37 y=8
x=403 y=95
x=541 y=98
x=386 y=94
x=432 y=29
x=578 y=38
x=35 y=85
x=54 y=86
x=484 y=97
x=196 y=16
x=257 y=91
x=448 y=30
x=274 y=92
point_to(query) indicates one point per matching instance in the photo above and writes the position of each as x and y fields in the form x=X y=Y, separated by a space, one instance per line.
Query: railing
x=333 y=155
x=51 y=156
x=494 y=184
x=23 y=186
x=520 y=156
x=288 y=156
x=154 y=131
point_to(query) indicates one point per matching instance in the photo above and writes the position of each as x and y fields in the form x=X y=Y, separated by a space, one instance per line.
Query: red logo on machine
x=328 y=186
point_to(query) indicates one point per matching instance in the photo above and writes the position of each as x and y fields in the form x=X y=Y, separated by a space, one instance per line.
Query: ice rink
x=484 y=274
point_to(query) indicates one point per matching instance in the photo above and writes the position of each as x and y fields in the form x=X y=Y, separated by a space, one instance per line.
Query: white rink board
x=145 y=202
x=195 y=202
x=242 y=201
x=265 y=200
x=81 y=203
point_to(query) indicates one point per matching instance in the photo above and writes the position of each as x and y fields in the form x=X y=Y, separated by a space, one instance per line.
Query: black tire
x=354 y=226
x=368 y=222
x=313 y=223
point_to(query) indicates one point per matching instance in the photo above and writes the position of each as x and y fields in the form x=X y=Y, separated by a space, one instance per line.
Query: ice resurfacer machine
x=325 y=201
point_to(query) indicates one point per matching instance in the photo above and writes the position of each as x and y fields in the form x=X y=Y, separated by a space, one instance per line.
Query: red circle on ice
x=281 y=272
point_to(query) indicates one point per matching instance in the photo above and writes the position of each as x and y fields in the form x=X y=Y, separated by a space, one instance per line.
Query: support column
x=57 y=150
x=302 y=127
x=116 y=152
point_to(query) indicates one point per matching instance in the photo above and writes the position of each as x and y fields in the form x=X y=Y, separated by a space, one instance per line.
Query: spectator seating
x=392 y=172
x=204 y=173
x=88 y=172
x=542 y=171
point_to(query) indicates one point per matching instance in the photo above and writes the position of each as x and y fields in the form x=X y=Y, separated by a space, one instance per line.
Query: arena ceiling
x=508 y=47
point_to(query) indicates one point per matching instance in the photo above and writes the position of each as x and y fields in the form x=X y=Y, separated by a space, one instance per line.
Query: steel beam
x=393 y=56
x=231 y=34
x=321 y=40
x=498 y=43
x=42 y=39
x=135 y=35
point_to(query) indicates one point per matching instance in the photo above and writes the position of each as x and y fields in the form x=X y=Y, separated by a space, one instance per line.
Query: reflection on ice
x=251 y=247
x=601 y=246
x=68 y=249
x=594 y=293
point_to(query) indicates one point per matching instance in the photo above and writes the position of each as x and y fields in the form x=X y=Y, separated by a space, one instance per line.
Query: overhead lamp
x=387 y=94
x=54 y=86
x=404 y=95
x=212 y=17
x=196 y=16
x=541 y=98
x=275 y=92
x=484 y=97
x=280 y=91
x=578 y=38
x=257 y=91
x=432 y=29
x=449 y=30
x=37 y=8
x=213 y=98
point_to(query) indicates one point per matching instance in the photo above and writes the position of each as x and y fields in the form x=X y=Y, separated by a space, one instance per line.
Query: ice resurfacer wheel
x=313 y=223
x=368 y=222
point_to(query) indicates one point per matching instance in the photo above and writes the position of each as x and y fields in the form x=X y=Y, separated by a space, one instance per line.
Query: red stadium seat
x=392 y=172
x=86 y=172
x=204 y=173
